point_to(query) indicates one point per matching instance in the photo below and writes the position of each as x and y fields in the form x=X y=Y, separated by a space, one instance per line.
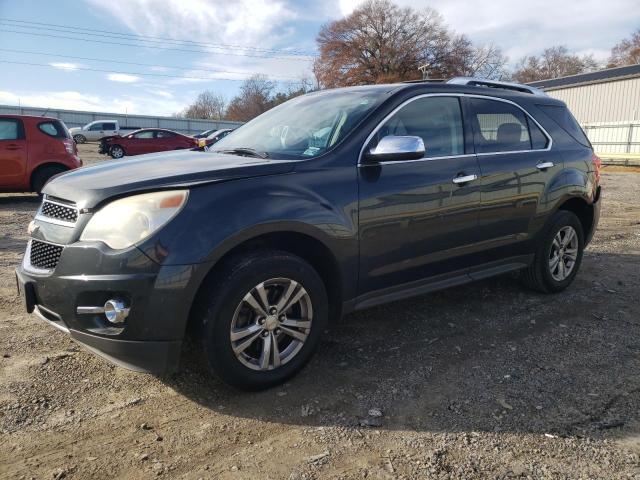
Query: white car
x=94 y=131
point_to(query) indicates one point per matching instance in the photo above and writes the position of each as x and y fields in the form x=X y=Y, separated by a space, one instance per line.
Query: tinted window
x=53 y=129
x=499 y=127
x=10 y=129
x=437 y=120
x=539 y=140
x=162 y=134
x=108 y=126
x=96 y=127
x=562 y=116
x=145 y=134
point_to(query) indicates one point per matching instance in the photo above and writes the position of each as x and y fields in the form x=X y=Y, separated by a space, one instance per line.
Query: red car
x=147 y=140
x=32 y=150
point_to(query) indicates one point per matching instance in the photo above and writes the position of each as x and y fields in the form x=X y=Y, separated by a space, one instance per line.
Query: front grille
x=44 y=255
x=61 y=212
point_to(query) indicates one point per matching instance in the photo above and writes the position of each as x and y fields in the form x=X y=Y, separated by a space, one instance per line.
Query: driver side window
x=437 y=120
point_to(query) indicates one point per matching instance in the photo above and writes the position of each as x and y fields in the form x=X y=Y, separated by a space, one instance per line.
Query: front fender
x=219 y=217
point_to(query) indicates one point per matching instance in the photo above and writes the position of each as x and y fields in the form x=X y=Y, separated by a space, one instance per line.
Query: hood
x=89 y=186
x=75 y=129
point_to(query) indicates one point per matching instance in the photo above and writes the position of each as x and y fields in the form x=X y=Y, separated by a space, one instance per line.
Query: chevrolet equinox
x=334 y=201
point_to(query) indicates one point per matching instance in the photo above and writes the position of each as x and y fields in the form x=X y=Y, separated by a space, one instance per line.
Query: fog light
x=116 y=311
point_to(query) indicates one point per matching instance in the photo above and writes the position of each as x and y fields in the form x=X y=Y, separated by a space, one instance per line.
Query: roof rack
x=481 y=82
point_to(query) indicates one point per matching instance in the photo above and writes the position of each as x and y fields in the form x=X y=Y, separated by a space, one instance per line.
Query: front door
x=13 y=153
x=516 y=166
x=416 y=218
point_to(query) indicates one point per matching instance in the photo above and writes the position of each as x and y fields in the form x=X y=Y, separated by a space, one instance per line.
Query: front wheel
x=79 y=138
x=261 y=318
x=558 y=255
x=116 y=151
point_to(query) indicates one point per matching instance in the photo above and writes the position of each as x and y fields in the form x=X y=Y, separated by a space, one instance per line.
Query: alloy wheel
x=117 y=152
x=564 y=253
x=271 y=324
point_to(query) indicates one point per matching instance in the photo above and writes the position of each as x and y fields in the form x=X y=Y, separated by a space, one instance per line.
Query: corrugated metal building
x=75 y=118
x=607 y=105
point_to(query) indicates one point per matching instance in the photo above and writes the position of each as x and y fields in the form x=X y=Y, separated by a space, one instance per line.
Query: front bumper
x=159 y=298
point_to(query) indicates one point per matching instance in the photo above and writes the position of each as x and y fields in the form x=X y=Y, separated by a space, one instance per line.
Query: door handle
x=464 y=179
x=544 y=165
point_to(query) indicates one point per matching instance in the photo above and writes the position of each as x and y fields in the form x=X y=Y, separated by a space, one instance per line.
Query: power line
x=104 y=60
x=103 y=42
x=87 y=69
x=93 y=31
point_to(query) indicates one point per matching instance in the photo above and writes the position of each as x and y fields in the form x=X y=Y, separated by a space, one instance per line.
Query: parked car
x=147 y=140
x=32 y=150
x=94 y=131
x=206 y=133
x=206 y=143
x=335 y=201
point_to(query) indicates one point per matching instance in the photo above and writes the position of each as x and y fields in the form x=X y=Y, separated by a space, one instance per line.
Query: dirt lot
x=483 y=381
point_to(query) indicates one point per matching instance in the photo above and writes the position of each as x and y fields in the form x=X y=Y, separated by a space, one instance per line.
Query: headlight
x=130 y=220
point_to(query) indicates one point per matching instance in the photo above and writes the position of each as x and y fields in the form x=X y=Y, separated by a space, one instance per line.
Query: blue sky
x=245 y=31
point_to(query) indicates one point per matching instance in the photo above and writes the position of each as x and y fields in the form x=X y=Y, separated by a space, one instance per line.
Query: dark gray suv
x=334 y=201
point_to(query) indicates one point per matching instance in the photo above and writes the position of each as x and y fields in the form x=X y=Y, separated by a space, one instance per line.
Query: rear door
x=167 y=141
x=416 y=220
x=109 y=129
x=142 y=142
x=14 y=153
x=516 y=165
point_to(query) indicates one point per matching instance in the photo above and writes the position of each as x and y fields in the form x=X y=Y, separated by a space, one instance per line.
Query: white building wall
x=608 y=102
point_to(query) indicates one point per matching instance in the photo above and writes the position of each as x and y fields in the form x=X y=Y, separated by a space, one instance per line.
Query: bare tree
x=207 y=105
x=627 y=52
x=554 y=62
x=381 y=42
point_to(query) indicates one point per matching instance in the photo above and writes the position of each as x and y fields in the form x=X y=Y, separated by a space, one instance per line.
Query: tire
x=79 y=138
x=541 y=275
x=222 y=311
x=42 y=176
x=116 y=151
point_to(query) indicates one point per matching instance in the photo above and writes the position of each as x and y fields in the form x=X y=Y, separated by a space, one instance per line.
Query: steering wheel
x=293 y=135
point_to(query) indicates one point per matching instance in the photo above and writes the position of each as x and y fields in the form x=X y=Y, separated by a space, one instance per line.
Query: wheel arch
x=582 y=209
x=300 y=243
x=41 y=167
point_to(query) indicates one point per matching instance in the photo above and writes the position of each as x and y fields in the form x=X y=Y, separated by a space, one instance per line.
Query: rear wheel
x=42 y=176
x=116 y=151
x=558 y=256
x=79 y=138
x=261 y=318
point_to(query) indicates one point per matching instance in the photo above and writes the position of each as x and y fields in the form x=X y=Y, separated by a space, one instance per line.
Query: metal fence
x=76 y=118
x=617 y=142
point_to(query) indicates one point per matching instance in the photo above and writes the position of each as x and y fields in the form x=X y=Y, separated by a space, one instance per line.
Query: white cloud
x=123 y=77
x=65 y=66
x=584 y=26
x=235 y=26
x=74 y=100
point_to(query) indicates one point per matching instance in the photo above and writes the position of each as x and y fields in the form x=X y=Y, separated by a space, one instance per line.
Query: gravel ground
x=487 y=380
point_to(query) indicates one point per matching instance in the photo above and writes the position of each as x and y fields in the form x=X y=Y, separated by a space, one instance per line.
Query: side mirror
x=395 y=148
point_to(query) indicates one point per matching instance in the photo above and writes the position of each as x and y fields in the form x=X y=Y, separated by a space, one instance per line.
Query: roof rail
x=481 y=82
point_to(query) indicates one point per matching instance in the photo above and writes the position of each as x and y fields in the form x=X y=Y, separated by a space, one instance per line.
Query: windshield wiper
x=250 y=152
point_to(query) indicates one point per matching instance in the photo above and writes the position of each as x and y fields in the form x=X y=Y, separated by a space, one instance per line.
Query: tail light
x=597 y=165
x=69 y=146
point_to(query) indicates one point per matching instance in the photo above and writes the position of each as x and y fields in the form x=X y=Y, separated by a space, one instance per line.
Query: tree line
x=380 y=42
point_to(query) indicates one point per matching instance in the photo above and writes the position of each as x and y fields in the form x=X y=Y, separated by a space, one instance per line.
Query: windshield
x=305 y=126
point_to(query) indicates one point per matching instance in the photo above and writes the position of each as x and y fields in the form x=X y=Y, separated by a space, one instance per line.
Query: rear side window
x=11 y=129
x=562 y=116
x=108 y=126
x=499 y=127
x=162 y=134
x=54 y=129
x=539 y=140
x=145 y=134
